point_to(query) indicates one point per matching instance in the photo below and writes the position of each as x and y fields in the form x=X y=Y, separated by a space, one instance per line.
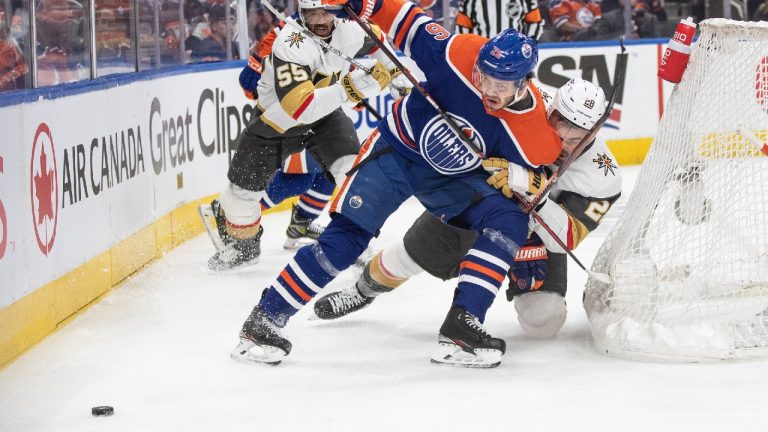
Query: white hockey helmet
x=580 y=102
x=310 y=21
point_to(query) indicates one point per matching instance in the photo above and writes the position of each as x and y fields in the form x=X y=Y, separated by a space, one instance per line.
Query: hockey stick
x=371 y=109
x=602 y=277
x=528 y=209
x=589 y=136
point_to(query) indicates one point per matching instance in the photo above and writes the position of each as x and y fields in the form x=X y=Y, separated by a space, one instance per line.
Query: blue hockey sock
x=481 y=274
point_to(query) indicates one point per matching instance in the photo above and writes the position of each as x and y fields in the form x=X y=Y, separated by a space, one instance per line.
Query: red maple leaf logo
x=44 y=190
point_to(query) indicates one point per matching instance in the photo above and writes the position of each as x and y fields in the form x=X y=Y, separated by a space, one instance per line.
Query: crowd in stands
x=172 y=32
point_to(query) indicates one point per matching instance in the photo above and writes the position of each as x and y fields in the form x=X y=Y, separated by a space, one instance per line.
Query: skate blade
x=453 y=355
x=206 y=214
x=248 y=352
x=291 y=244
x=234 y=269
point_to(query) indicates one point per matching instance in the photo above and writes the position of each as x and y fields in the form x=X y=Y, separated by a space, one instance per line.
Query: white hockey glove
x=400 y=84
x=360 y=85
x=510 y=178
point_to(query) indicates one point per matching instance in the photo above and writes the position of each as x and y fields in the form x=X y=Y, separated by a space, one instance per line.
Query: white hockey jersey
x=581 y=197
x=300 y=79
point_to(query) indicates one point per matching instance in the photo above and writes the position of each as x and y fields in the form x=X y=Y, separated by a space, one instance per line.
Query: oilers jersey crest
x=444 y=151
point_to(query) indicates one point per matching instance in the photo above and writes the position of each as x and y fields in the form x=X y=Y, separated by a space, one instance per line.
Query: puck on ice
x=102 y=411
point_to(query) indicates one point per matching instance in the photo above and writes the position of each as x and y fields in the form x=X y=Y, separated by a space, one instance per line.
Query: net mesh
x=689 y=255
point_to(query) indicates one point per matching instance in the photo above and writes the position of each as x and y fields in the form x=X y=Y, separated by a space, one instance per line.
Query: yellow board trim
x=38 y=314
x=629 y=151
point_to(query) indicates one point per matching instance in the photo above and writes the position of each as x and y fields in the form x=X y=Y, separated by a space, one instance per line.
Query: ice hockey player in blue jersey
x=574 y=207
x=484 y=86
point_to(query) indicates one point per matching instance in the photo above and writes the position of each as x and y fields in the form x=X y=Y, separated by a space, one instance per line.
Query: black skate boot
x=238 y=253
x=260 y=341
x=301 y=231
x=344 y=302
x=464 y=342
x=215 y=224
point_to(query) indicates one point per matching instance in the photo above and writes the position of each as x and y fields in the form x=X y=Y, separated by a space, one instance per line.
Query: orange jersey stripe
x=294 y=286
x=314 y=202
x=482 y=269
x=403 y=136
x=389 y=10
x=406 y=27
x=265 y=46
x=294 y=165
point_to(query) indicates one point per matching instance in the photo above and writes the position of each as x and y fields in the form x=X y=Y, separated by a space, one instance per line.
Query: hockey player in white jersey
x=300 y=94
x=575 y=207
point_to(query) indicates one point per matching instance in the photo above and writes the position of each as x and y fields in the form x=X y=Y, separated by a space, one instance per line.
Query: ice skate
x=464 y=342
x=238 y=253
x=301 y=231
x=214 y=222
x=341 y=303
x=260 y=341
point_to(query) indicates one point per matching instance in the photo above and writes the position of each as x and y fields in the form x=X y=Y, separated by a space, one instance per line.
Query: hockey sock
x=313 y=201
x=481 y=274
x=313 y=267
x=283 y=186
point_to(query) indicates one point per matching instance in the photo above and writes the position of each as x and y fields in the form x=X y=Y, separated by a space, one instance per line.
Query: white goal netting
x=689 y=256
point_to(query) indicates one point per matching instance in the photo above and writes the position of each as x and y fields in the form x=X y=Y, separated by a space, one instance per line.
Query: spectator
x=653 y=6
x=573 y=19
x=260 y=22
x=611 y=26
x=60 y=50
x=12 y=65
x=214 y=47
x=761 y=13
x=197 y=25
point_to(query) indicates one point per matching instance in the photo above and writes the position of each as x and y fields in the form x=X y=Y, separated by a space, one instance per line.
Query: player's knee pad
x=541 y=314
x=396 y=261
x=241 y=206
x=341 y=167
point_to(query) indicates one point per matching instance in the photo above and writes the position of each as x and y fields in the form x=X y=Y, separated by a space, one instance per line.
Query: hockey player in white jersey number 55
x=300 y=94
x=538 y=278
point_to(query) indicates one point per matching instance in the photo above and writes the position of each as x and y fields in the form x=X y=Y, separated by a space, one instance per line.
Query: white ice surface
x=157 y=349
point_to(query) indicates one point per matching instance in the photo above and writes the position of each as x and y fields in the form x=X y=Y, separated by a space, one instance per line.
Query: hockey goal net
x=689 y=255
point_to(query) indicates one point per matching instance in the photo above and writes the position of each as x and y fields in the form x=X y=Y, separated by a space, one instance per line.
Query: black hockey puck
x=102 y=411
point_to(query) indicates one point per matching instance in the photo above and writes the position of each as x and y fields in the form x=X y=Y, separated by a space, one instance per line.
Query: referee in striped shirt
x=489 y=17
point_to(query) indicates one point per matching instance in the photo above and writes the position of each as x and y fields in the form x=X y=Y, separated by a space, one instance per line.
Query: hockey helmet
x=580 y=102
x=509 y=56
x=317 y=21
x=576 y=108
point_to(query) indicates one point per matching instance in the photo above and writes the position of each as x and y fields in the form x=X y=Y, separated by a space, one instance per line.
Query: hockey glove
x=509 y=178
x=400 y=85
x=360 y=85
x=250 y=76
x=529 y=269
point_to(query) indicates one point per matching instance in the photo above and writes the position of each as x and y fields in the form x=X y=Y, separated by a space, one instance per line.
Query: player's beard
x=322 y=30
